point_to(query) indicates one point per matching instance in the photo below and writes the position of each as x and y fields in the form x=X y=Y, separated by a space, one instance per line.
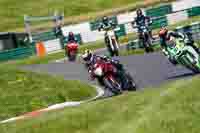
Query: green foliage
x=174 y=108
x=12 y=11
x=22 y=92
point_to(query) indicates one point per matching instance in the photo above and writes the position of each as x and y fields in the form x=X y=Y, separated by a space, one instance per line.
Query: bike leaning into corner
x=178 y=52
x=109 y=73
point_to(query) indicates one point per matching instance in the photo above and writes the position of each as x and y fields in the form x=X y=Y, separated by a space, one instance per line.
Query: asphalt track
x=148 y=70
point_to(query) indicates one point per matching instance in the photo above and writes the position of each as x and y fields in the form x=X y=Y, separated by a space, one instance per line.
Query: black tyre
x=195 y=69
x=193 y=66
x=113 y=86
x=111 y=52
x=147 y=43
x=116 y=51
x=72 y=57
x=131 y=83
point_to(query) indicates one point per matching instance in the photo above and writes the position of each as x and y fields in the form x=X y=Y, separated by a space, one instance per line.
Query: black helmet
x=71 y=33
x=139 y=12
x=105 y=19
x=87 y=56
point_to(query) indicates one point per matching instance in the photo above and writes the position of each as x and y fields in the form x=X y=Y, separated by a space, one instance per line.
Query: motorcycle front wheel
x=192 y=65
x=72 y=56
x=130 y=82
x=112 y=85
x=147 y=43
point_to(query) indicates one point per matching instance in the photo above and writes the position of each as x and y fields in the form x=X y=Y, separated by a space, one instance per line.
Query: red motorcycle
x=71 y=50
x=105 y=74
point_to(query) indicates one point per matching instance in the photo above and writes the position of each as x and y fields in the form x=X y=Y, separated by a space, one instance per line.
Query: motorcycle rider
x=90 y=59
x=71 y=37
x=106 y=24
x=167 y=38
x=142 y=20
x=59 y=34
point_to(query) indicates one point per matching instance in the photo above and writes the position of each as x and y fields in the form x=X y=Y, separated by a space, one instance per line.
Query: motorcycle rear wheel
x=147 y=43
x=193 y=67
x=131 y=83
x=115 y=52
x=72 y=57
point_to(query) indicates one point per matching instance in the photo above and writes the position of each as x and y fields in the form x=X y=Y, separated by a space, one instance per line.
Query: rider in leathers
x=107 y=24
x=71 y=39
x=90 y=59
x=166 y=38
x=142 y=20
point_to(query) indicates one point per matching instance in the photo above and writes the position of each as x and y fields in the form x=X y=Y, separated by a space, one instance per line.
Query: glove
x=166 y=53
x=91 y=77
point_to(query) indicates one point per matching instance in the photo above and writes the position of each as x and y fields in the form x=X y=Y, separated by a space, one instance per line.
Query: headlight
x=113 y=37
x=98 y=72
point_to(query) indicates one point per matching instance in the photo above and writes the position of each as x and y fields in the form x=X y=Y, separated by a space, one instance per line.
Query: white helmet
x=87 y=55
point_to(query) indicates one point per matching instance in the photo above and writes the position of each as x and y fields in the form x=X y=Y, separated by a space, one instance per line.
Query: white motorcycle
x=111 y=41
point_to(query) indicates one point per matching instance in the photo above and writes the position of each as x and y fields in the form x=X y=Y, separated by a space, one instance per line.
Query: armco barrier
x=159 y=22
x=195 y=11
x=159 y=11
x=17 y=53
x=122 y=31
x=45 y=36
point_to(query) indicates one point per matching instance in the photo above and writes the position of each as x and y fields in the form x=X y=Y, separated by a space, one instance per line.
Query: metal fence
x=17 y=53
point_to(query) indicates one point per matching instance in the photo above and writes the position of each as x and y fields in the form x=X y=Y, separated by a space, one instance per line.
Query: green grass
x=19 y=90
x=174 y=108
x=12 y=11
x=22 y=92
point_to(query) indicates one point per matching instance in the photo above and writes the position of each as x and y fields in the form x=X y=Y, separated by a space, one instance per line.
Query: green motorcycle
x=184 y=55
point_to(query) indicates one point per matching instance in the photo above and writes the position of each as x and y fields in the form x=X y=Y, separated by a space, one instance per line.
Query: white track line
x=100 y=93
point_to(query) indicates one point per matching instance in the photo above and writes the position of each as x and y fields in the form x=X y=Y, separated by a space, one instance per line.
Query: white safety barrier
x=184 y=4
x=76 y=29
x=126 y=17
x=177 y=17
x=92 y=36
x=52 y=46
x=129 y=28
x=100 y=93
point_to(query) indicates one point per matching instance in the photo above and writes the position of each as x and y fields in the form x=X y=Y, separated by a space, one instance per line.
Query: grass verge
x=172 y=109
x=22 y=92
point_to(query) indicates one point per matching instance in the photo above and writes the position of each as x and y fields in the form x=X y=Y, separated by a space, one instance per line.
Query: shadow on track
x=184 y=75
